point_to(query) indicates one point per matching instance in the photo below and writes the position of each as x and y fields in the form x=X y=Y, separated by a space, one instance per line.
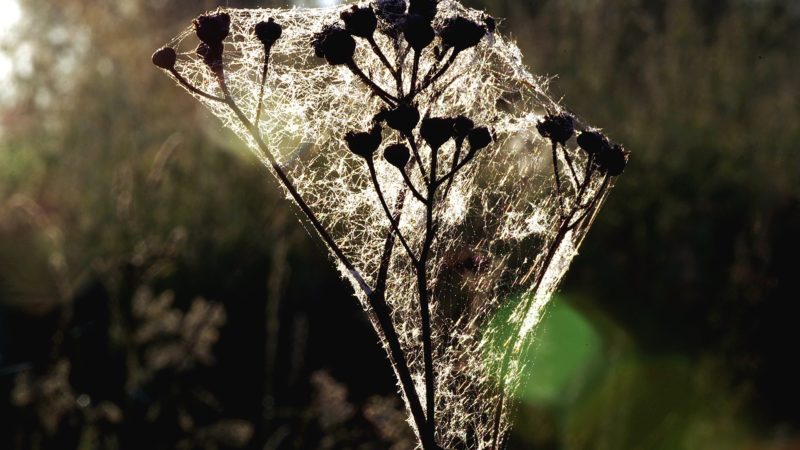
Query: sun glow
x=11 y=15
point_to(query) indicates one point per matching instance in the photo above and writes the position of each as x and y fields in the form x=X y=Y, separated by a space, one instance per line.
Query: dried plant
x=457 y=236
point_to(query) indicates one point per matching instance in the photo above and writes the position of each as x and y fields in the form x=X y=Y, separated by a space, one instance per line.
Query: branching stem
x=424 y=295
x=411 y=187
x=429 y=80
x=385 y=96
x=395 y=225
x=395 y=72
x=377 y=299
x=192 y=88
x=415 y=151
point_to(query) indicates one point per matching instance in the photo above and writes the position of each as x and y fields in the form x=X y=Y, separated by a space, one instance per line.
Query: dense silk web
x=501 y=246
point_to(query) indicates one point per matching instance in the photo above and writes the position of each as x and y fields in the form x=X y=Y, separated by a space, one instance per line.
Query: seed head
x=397 y=155
x=479 y=138
x=461 y=33
x=360 y=22
x=165 y=58
x=404 y=118
x=335 y=44
x=462 y=125
x=418 y=32
x=593 y=142
x=212 y=29
x=436 y=131
x=364 y=144
x=268 y=32
x=390 y=11
x=557 y=127
x=613 y=159
x=212 y=56
x=490 y=22
x=424 y=8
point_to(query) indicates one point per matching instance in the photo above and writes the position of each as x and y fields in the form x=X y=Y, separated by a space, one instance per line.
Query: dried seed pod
x=335 y=44
x=392 y=12
x=613 y=159
x=397 y=155
x=460 y=33
x=423 y=8
x=436 y=131
x=479 y=138
x=490 y=22
x=593 y=142
x=212 y=56
x=364 y=144
x=360 y=21
x=404 y=118
x=212 y=29
x=268 y=32
x=557 y=127
x=462 y=125
x=418 y=32
x=165 y=58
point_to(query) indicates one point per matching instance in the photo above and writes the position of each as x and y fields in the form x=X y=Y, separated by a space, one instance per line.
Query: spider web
x=500 y=250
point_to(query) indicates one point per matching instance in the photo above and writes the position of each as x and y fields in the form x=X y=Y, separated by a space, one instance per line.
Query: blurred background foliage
x=155 y=291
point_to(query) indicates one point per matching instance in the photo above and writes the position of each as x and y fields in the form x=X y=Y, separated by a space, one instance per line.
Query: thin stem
x=432 y=79
x=395 y=73
x=395 y=226
x=396 y=354
x=411 y=187
x=424 y=297
x=561 y=208
x=263 y=84
x=415 y=150
x=568 y=158
x=377 y=300
x=590 y=207
x=587 y=177
x=412 y=91
x=567 y=225
x=291 y=188
x=388 y=246
x=450 y=175
x=551 y=252
x=192 y=88
x=379 y=305
x=385 y=96
x=453 y=165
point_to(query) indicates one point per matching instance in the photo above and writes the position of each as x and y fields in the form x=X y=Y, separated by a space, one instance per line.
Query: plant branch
x=287 y=183
x=411 y=187
x=185 y=83
x=395 y=225
x=385 y=96
x=432 y=79
x=561 y=208
x=424 y=297
x=261 y=89
x=395 y=72
x=415 y=150
x=377 y=299
x=590 y=206
x=412 y=91
x=450 y=175
x=453 y=168
x=568 y=158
